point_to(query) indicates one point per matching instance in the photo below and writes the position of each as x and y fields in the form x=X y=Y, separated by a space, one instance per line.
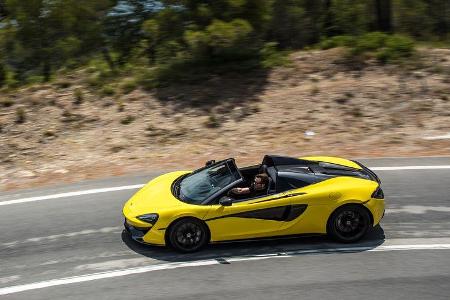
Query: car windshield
x=200 y=185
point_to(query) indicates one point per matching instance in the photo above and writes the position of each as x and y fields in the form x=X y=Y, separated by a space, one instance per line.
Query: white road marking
x=55 y=237
x=442 y=167
x=72 y=194
x=137 y=186
x=114 y=264
x=170 y=266
x=418 y=209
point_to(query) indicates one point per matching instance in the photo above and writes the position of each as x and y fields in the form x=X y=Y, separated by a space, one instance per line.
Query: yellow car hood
x=154 y=196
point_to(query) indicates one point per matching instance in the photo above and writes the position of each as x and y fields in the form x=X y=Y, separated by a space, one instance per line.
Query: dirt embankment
x=319 y=104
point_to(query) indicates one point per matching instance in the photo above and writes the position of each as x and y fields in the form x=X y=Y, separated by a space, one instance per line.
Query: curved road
x=67 y=242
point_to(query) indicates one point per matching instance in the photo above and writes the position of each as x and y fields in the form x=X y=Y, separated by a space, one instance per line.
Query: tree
x=384 y=18
x=3 y=12
x=287 y=26
x=411 y=18
x=45 y=34
x=215 y=30
x=123 y=24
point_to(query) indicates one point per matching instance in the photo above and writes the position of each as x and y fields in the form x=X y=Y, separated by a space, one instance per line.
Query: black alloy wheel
x=188 y=235
x=348 y=223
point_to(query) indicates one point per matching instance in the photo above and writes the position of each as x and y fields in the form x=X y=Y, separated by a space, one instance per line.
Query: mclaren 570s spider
x=308 y=195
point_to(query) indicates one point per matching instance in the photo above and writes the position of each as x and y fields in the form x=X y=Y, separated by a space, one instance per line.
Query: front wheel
x=188 y=235
x=348 y=224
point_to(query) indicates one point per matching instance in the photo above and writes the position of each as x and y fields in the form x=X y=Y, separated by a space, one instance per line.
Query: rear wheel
x=348 y=223
x=188 y=235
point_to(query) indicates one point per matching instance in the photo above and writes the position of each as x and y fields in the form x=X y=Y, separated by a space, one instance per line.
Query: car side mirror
x=226 y=201
x=210 y=162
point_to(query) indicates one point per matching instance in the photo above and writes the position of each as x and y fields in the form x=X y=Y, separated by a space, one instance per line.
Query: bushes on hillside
x=384 y=47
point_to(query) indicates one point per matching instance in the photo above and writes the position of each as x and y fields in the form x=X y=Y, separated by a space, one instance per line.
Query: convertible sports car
x=309 y=195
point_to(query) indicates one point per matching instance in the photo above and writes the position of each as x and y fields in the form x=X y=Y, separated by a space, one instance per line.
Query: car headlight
x=148 y=218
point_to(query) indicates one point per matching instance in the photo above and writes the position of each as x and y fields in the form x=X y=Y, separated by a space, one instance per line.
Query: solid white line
x=56 y=237
x=411 y=168
x=418 y=209
x=72 y=194
x=137 y=186
x=170 y=266
x=102 y=275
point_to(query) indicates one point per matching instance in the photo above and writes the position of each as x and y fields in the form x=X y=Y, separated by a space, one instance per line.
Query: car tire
x=348 y=223
x=188 y=235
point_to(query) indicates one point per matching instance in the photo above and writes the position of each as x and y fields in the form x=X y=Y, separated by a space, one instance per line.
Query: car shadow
x=279 y=246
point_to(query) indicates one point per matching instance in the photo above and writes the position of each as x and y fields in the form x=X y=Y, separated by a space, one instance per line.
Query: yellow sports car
x=281 y=196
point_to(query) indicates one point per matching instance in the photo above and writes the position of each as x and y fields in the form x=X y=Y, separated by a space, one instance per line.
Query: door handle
x=287 y=195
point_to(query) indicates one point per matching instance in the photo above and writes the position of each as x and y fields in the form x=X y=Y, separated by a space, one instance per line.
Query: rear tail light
x=378 y=194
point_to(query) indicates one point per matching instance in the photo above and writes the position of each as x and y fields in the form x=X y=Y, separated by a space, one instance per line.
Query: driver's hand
x=236 y=190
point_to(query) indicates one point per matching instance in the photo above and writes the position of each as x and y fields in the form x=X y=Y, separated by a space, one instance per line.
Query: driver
x=256 y=189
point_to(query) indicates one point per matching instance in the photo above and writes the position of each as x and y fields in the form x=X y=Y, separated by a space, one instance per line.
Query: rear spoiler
x=371 y=174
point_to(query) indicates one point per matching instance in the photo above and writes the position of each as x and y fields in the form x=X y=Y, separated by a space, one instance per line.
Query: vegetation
x=384 y=47
x=157 y=42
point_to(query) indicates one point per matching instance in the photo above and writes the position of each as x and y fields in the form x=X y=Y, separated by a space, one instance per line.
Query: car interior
x=249 y=173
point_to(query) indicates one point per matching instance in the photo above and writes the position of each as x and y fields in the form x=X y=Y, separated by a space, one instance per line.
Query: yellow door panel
x=234 y=228
x=247 y=219
x=313 y=220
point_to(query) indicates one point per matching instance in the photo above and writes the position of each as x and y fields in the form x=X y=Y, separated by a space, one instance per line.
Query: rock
x=25 y=174
x=61 y=171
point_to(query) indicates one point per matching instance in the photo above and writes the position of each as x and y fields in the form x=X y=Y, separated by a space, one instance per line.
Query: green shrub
x=95 y=80
x=98 y=65
x=120 y=106
x=336 y=41
x=385 y=48
x=271 y=56
x=20 y=115
x=212 y=122
x=2 y=74
x=128 y=86
x=127 y=120
x=78 y=95
x=107 y=91
x=167 y=51
x=179 y=69
x=49 y=133
x=396 y=47
x=147 y=78
x=369 y=42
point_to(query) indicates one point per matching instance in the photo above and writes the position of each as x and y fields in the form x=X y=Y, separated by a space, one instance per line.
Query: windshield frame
x=230 y=162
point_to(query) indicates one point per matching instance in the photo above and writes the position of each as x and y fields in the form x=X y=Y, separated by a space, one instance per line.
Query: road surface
x=66 y=242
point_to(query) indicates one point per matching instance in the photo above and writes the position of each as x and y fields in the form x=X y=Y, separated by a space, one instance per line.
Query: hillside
x=317 y=104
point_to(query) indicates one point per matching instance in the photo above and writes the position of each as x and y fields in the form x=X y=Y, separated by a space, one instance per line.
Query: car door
x=251 y=218
x=317 y=202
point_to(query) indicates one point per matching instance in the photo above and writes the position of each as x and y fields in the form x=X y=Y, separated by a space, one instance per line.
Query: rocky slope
x=318 y=104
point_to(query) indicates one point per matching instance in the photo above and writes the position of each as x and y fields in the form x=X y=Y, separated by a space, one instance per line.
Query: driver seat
x=271 y=183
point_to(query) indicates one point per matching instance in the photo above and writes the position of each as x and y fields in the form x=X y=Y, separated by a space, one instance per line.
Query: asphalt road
x=72 y=246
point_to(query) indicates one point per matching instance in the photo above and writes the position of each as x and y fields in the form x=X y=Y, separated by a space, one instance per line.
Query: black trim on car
x=280 y=213
x=278 y=198
x=371 y=173
x=136 y=233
